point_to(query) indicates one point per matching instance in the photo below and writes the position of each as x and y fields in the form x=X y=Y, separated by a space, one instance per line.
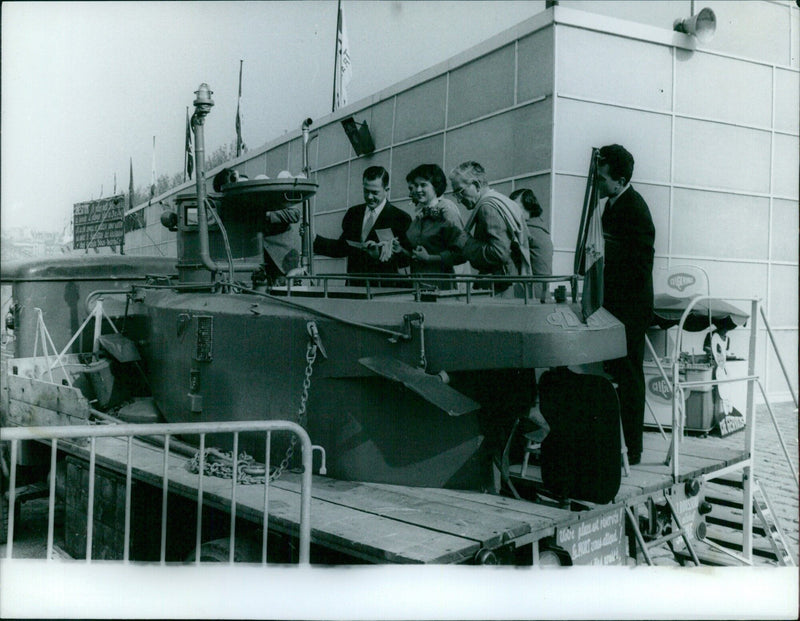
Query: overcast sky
x=86 y=86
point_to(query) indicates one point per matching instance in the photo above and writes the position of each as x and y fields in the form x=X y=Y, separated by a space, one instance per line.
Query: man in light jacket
x=495 y=239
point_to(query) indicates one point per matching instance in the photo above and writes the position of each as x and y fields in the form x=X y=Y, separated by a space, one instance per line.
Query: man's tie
x=369 y=221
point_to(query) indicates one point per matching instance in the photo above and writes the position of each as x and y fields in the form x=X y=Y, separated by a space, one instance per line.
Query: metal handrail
x=678 y=385
x=14 y=435
x=747 y=465
x=418 y=282
x=778 y=355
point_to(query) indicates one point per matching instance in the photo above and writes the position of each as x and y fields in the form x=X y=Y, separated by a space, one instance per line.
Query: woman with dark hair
x=430 y=245
x=541 y=246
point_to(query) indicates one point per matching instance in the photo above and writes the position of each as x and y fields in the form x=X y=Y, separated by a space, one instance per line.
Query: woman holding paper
x=430 y=240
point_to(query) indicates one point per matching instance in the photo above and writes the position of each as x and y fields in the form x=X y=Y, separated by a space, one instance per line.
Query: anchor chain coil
x=220 y=463
x=311 y=356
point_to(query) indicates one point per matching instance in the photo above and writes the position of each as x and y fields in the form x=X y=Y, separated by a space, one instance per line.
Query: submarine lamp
x=358 y=135
x=169 y=220
x=203 y=96
x=702 y=26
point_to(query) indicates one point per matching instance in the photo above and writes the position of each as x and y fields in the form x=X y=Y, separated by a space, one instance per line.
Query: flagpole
x=153 y=175
x=238 y=114
x=185 y=153
x=336 y=52
x=130 y=207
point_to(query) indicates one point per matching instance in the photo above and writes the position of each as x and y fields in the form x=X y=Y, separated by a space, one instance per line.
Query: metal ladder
x=765 y=512
x=646 y=546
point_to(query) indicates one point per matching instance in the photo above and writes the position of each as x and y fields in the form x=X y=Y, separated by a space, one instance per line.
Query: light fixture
x=358 y=135
x=204 y=97
x=703 y=25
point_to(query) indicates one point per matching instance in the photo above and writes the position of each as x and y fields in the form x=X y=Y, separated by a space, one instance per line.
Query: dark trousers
x=504 y=395
x=629 y=375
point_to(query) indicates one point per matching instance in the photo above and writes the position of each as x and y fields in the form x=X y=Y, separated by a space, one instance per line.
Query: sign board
x=730 y=422
x=99 y=223
x=598 y=540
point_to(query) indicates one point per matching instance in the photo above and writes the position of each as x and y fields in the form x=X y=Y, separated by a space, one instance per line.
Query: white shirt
x=377 y=212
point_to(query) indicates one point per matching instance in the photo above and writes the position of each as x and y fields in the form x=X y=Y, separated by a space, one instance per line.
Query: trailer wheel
x=219 y=550
x=552 y=555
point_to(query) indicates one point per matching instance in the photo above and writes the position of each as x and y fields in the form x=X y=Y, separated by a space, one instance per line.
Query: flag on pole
x=189 y=151
x=595 y=262
x=153 y=176
x=343 y=68
x=130 y=188
x=590 y=258
x=66 y=235
x=115 y=184
x=239 y=142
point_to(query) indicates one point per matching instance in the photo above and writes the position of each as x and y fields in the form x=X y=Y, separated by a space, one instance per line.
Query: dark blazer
x=628 y=273
x=358 y=261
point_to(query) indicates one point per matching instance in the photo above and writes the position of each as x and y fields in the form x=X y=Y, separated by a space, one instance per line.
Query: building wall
x=713 y=129
x=715 y=138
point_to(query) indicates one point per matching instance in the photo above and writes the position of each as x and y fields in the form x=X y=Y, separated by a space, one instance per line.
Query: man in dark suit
x=628 y=282
x=359 y=226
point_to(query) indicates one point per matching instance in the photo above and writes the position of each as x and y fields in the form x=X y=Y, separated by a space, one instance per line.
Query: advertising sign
x=596 y=541
x=98 y=223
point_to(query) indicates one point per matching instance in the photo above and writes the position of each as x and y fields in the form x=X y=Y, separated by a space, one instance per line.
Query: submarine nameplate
x=205 y=338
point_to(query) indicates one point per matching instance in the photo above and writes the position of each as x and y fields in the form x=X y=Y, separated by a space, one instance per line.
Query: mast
x=336 y=52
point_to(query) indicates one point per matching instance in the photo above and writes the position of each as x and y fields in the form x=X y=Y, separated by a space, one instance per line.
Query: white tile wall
x=713 y=224
x=608 y=68
x=785 y=166
x=720 y=156
x=581 y=126
x=785 y=226
x=724 y=89
x=787 y=100
x=782 y=302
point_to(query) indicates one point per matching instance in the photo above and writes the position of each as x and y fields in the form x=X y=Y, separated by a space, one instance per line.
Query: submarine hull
x=213 y=357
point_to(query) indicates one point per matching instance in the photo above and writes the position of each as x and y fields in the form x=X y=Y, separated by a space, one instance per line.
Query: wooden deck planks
x=536 y=518
x=363 y=534
x=701 y=447
x=399 y=524
x=652 y=474
x=420 y=508
x=641 y=481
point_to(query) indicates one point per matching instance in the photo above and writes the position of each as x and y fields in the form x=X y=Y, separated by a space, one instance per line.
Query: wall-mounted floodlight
x=358 y=135
x=703 y=25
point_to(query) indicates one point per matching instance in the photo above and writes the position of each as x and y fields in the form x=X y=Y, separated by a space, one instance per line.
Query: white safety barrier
x=125 y=433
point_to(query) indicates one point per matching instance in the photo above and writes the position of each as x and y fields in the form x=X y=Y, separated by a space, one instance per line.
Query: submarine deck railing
x=52 y=434
x=746 y=467
x=419 y=284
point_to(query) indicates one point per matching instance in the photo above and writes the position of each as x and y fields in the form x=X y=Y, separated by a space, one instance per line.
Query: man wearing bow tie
x=359 y=227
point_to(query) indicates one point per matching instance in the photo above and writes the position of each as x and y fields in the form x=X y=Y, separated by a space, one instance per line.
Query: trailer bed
x=384 y=523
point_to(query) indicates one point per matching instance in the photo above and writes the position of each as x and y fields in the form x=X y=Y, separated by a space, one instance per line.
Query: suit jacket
x=282 y=239
x=628 y=271
x=358 y=261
